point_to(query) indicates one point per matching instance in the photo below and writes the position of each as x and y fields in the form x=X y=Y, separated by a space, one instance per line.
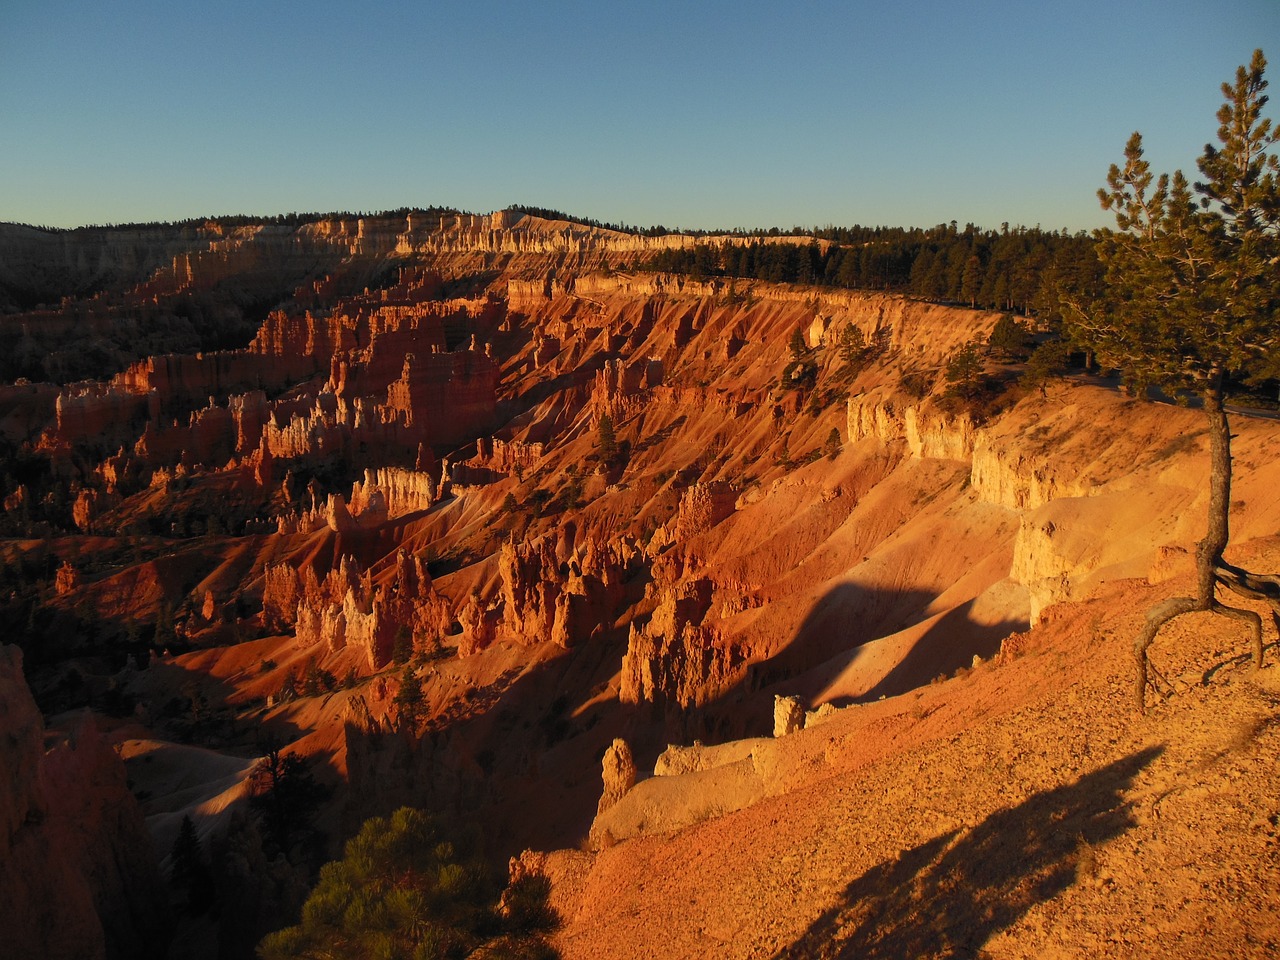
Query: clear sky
x=690 y=114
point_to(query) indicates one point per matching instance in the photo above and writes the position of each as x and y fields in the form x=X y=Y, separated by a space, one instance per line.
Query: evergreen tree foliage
x=288 y=688
x=799 y=349
x=1006 y=270
x=1046 y=360
x=285 y=794
x=404 y=889
x=971 y=279
x=164 y=635
x=964 y=371
x=852 y=347
x=409 y=700
x=316 y=680
x=606 y=440
x=1190 y=301
x=402 y=646
x=832 y=447
x=1009 y=339
x=189 y=869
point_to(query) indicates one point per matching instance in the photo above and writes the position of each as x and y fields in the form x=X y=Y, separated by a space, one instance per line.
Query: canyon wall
x=77 y=874
x=1091 y=500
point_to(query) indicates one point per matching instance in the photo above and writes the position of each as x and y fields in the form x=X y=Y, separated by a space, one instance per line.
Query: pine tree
x=606 y=440
x=971 y=280
x=852 y=346
x=282 y=789
x=797 y=345
x=312 y=684
x=1008 y=339
x=964 y=371
x=188 y=870
x=832 y=447
x=1191 y=302
x=186 y=851
x=409 y=700
x=402 y=647
x=288 y=688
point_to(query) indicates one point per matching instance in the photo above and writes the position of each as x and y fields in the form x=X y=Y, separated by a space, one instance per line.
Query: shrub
x=1010 y=339
x=916 y=385
x=832 y=446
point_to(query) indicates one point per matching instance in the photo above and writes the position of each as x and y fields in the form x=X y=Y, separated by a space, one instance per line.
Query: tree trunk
x=1209 y=550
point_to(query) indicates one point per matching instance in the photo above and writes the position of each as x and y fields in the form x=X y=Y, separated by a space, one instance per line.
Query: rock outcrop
x=788 y=715
x=77 y=875
x=676 y=658
x=619 y=776
x=562 y=588
x=392 y=372
x=926 y=433
x=347 y=609
x=390 y=492
x=702 y=506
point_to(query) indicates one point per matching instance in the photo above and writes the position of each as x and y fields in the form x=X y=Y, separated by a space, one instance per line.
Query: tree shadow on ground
x=950 y=895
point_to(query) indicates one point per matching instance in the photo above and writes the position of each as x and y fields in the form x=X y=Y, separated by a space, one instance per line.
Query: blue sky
x=693 y=114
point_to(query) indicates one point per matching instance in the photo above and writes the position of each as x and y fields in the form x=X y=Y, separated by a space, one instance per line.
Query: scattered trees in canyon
x=1190 y=302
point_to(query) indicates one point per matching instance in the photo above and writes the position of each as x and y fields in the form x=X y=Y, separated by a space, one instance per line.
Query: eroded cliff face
x=1091 y=500
x=56 y=264
x=77 y=874
x=677 y=658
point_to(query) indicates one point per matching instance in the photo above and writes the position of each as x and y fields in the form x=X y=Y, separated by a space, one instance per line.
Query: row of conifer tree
x=1017 y=270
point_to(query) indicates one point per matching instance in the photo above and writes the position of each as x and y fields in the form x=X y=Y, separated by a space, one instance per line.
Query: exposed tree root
x=1157 y=617
x=1253 y=586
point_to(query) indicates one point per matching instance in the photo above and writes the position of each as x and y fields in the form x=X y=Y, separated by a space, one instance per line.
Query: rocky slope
x=590 y=513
